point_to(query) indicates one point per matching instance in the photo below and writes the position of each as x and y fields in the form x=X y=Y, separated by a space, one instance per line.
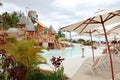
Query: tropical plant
x=5 y=18
x=81 y=40
x=58 y=69
x=20 y=14
x=26 y=55
x=88 y=43
x=74 y=41
x=18 y=58
x=36 y=75
x=9 y=20
x=59 y=35
x=13 y=19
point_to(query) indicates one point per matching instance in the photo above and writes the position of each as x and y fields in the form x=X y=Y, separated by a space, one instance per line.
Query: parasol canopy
x=100 y=19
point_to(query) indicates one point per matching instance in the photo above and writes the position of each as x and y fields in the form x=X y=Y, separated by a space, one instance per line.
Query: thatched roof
x=22 y=20
x=29 y=25
x=52 y=29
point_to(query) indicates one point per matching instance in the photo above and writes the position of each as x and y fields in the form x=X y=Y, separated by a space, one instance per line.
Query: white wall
x=45 y=44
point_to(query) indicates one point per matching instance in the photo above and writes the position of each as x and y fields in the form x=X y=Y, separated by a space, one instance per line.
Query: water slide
x=40 y=23
x=33 y=15
x=58 y=45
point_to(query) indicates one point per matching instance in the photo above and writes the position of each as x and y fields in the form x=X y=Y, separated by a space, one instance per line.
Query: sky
x=60 y=13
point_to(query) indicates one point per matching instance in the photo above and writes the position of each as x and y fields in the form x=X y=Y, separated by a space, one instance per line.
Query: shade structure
x=115 y=30
x=111 y=33
x=91 y=33
x=111 y=36
x=96 y=21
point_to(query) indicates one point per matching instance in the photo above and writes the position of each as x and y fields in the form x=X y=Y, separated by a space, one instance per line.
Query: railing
x=45 y=38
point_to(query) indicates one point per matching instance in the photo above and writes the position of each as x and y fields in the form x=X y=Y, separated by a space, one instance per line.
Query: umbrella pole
x=108 y=47
x=92 y=46
x=70 y=39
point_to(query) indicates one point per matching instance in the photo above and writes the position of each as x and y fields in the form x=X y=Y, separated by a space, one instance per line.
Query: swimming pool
x=67 y=53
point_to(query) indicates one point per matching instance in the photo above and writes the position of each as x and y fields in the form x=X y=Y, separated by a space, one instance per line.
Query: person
x=82 y=52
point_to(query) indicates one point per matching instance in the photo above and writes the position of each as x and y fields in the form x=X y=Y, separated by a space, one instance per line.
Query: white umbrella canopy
x=93 y=22
x=94 y=32
x=110 y=35
x=96 y=21
x=115 y=30
x=80 y=27
x=91 y=34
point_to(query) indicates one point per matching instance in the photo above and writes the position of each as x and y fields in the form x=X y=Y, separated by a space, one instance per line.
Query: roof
x=29 y=25
x=52 y=29
x=22 y=20
x=12 y=30
x=40 y=23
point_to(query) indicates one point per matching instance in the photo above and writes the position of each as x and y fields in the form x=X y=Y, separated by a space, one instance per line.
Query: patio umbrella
x=114 y=30
x=112 y=33
x=97 y=21
x=91 y=33
x=111 y=36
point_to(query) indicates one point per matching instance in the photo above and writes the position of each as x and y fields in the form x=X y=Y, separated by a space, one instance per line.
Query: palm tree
x=10 y=20
x=26 y=54
x=13 y=19
x=5 y=17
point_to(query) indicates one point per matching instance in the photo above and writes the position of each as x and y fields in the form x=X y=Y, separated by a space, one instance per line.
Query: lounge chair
x=116 y=56
x=116 y=77
x=100 y=64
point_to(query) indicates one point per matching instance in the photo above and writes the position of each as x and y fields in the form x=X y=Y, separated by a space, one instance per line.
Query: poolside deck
x=83 y=74
x=73 y=65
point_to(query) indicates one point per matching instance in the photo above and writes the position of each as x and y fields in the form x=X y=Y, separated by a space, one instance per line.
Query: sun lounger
x=116 y=77
x=116 y=56
x=100 y=64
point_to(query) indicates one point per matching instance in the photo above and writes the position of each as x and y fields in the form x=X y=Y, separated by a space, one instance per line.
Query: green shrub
x=11 y=39
x=56 y=75
x=35 y=75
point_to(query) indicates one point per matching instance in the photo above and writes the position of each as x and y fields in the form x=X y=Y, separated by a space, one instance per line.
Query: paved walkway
x=72 y=65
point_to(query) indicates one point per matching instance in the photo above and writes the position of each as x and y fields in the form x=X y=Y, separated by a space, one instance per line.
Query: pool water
x=67 y=53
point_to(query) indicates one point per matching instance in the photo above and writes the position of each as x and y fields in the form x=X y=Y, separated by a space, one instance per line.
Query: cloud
x=60 y=12
x=9 y=7
x=66 y=3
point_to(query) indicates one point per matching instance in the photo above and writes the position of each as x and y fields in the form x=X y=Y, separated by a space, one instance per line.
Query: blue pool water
x=67 y=53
